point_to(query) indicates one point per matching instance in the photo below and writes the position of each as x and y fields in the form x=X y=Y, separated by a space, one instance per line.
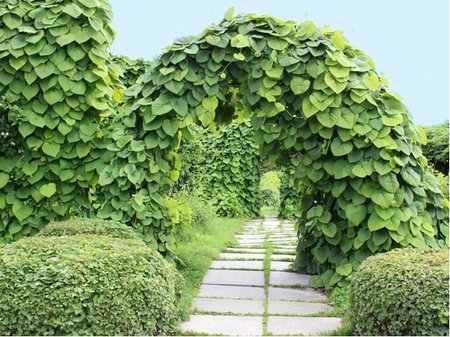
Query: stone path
x=250 y=290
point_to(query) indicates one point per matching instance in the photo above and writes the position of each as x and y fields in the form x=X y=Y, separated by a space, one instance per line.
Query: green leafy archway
x=316 y=104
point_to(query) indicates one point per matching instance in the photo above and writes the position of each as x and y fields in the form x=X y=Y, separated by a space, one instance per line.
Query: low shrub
x=86 y=285
x=402 y=292
x=89 y=226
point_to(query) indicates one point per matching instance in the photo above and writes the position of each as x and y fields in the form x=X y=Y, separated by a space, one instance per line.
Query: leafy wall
x=55 y=89
x=232 y=171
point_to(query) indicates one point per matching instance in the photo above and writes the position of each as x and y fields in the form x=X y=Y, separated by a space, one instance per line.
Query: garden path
x=249 y=290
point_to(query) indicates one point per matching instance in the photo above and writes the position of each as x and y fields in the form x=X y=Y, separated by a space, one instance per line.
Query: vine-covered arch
x=316 y=104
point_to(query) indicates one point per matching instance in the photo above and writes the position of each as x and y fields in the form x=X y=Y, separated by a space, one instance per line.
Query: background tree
x=436 y=150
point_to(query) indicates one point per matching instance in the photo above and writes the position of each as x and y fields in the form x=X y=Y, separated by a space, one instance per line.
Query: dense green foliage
x=86 y=285
x=232 y=171
x=54 y=89
x=436 y=150
x=290 y=195
x=128 y=70
x=112 y=229
x=402 y=293
x=443 y=181
x=314 y=102
x=192 y=153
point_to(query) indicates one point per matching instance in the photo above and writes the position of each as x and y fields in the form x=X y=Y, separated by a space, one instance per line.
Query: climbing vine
x=232 y=171
x=128 y=70
x=291 y=195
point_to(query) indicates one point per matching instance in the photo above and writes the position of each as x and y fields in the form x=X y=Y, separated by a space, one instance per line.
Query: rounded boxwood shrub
x=86 y=285
x=402 y=292
x=89 y=226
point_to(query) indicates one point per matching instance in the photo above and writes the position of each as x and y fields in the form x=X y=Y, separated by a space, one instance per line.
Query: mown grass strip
x=197 y=248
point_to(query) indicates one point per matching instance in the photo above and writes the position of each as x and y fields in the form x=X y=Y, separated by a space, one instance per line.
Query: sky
x=408 y=40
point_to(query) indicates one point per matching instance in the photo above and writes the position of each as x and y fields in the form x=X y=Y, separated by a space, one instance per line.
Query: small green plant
x=89 y=226
x=86 y=285
x=402 y=292
x=202 y=210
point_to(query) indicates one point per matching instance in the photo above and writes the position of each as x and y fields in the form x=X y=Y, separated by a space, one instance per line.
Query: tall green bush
x=86 y=285
x=401 y=293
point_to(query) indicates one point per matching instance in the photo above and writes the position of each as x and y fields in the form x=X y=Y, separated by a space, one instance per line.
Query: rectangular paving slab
x=250 y=242
x=282 y=325
x=246 y=250
x=278 y=257
x=283 y=278
x=284 y=251
x=296 y=308
x=294 y=294
x=280 y=265
x=234 y=277
x=282 y=241
x=243 y=256
x=283 y=236
x=227 y=305
x=230 y=264
x=250 y=236
x=225 y=325
x=211 y=290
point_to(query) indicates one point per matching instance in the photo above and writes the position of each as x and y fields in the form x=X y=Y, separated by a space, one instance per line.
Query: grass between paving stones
x=266 y=266
x=224 y=313
x=244 y=251
x=325 y=313
x=197 y=248
x=245 y=247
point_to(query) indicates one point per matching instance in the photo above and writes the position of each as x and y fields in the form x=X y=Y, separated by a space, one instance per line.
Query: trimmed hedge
x=402 y=292
x=109 y=228
x=86 y=285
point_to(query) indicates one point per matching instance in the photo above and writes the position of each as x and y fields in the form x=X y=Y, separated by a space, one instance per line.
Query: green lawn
x=269 y=211
x=197 y=247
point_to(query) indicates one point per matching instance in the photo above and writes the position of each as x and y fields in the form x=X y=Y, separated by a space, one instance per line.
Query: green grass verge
x=197 y=247
x=269 y=211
